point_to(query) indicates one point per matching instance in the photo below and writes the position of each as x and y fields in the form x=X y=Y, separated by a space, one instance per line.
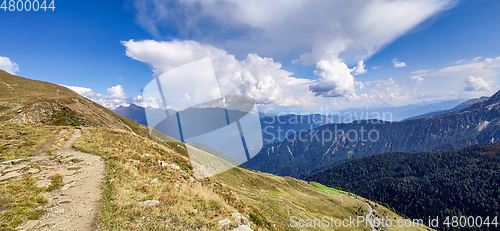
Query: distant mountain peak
x=493 y=100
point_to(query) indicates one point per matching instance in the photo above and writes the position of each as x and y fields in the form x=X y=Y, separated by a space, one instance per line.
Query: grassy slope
x=35 y=102
x=132 y=176
x=21 y=140
x=267 y=200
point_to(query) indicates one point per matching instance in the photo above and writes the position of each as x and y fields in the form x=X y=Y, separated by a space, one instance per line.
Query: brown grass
x=132 y=176
x=60 y=140
x=21 y=140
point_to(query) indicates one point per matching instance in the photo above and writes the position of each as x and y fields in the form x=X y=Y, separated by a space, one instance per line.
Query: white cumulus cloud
x=259 y=77
x=398 y=63
x=359 y=69
x=417 y=79
x=115 y=97
x=477 y=84
x=335 y=79
x=7 y=65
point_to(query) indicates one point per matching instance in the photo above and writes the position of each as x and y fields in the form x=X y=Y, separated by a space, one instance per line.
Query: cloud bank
x=327 y=30
x=324 y=32
x=479 y=67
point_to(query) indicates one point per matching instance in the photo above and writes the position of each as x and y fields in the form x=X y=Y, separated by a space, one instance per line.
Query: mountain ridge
x=292 y=157
x=29 y=101
x=458 y=108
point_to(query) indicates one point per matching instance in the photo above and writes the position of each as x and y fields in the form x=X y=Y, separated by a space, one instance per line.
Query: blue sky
x=106 y=50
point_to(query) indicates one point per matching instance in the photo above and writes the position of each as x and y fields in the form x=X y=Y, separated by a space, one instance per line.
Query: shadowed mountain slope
x=306 y=153
x=453 y=183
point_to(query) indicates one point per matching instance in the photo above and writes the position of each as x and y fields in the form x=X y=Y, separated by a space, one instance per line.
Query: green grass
x=324 y=187
x=274 y=193
x=75 y=160
x=55 y=182
x=21 y=199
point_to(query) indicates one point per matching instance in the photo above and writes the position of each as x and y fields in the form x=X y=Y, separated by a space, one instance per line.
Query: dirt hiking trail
x=75 y=206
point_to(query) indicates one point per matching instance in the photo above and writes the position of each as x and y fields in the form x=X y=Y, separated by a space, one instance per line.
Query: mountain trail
x=369 y=215
x=75 y=205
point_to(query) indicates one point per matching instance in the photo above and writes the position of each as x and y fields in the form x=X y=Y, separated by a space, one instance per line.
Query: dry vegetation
x=20 y=199
x=60 y=140
x=21 y=140
x=142 y=189
x=139 y=169
x=35 y=102
x=134 y=175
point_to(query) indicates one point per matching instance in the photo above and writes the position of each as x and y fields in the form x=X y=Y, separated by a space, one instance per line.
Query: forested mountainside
x=306 y=153
x=454 y=183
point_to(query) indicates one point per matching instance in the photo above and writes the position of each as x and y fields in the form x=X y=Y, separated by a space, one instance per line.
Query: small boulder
x=10 y=175
x=224 y=222
x=236 y=216
x=241 y=220
x=162 y=163
x=33 y=170
x=12 y=162
x=175 y=167
x=14 y=168
x=149 y=203
x=43 y=183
